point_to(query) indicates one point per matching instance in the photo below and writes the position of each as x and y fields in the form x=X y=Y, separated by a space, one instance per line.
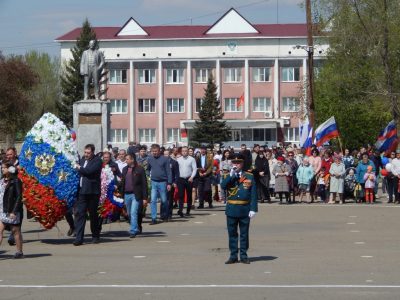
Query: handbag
x=7 y=220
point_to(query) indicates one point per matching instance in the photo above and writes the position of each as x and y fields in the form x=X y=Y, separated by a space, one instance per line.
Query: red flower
x=41 y=202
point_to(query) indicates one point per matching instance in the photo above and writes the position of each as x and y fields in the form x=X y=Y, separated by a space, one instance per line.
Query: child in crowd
x=322 y=184
x=350 y=183
x=370 y=179
x=304 y=174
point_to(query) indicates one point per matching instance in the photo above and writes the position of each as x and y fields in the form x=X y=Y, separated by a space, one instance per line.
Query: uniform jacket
x=90 y=175
x=139 y=182
x=243 y=188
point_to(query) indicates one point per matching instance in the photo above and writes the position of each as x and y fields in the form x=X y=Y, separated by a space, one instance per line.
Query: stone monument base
x=91 y=123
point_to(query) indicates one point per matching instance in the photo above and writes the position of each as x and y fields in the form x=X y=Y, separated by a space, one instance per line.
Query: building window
x=119 y=135
x=291 y=74
x=256 y=134
x=261 y=74
x=176 y=105
x=202 y=75
x=147 y=75
x=147 y=135
x=173 y=135
x=199 y=102
x=174 y=75
x=119 y=106
x=231 y=105
x=290 y=104
x=147 y=105
x=291 y=134
x=233 y=75
x=261 y=104
x=118 y=76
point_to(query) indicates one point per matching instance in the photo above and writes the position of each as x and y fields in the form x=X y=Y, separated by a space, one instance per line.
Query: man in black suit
x=89 y=195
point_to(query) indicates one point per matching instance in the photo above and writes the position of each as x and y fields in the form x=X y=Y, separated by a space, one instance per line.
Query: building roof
x=230 y=25
x=190 y=32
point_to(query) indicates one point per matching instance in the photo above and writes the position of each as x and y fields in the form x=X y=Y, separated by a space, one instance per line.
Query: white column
x=160 y=128
x=132 y=102
x=305 y=84
x=218 y=78
x=246 y=90
x=189 y=103
x=276 y=89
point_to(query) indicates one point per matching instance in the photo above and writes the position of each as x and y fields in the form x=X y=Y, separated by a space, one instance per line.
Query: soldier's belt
x=238 y=202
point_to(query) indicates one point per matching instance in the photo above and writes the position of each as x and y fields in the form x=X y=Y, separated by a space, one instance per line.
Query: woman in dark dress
x=11 y=197
x=262 y=176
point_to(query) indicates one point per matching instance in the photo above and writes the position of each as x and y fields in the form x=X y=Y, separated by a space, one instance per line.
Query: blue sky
x=34 y=24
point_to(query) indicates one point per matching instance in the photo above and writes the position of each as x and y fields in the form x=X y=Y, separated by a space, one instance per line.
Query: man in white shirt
x=121 y=160
x=187 y=171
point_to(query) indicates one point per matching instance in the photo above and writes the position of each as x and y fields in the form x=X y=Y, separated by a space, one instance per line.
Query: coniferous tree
x=211 y=129
x=71 y=80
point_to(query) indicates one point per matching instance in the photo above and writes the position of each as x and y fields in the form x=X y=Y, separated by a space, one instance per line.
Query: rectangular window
x=147 y=135
x=231 y=105
x=258 y=134
x=175 y=105
x=199 y=102
x=175 y=76
x=147 y=105
x=173 y=135
x=270 y=134
x=261 y=74
x=118 y=76
x=291 y=134
x=246 y=135
x=147 y=75
x=119 y=135
x=290 y=104
x=261 y=104
x=119 y=106
x=291 y=74
x=233 y=75
x=202 y=75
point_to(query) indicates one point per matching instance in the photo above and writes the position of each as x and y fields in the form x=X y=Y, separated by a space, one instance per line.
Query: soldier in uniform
x=240 y=208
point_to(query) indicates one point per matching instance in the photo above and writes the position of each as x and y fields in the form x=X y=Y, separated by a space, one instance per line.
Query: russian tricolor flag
x=326 y=131
x=387 y=139
x=306 y=137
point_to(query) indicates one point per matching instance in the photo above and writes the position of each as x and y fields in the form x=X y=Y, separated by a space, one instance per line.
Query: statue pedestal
x=91 y=122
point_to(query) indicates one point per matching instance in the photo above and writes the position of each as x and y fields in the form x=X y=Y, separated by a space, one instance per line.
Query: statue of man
x=92 y=62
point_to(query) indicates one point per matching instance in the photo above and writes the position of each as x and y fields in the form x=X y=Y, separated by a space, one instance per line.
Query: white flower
x=11 y=169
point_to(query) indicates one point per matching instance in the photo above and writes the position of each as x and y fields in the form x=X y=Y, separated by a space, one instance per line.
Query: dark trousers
x=88 y=202
x=262 y=185
x=185 y=186
x=243 y=224
x=204 y=190
x=69 y=218
x=170 y=197
x=392 y=186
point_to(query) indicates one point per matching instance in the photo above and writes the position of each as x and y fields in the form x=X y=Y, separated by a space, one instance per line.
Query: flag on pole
x=326 y=131
x=306 y=137
x=387 y=139
x=240 y=101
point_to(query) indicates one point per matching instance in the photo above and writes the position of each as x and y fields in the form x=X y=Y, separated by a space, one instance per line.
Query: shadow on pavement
x=262 y=258
x=26 y=256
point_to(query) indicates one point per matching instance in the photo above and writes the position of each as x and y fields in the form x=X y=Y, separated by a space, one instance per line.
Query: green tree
x=17 y=79
x=210 y=129
x=359 y=82
x=71 y=80
x=45 y=94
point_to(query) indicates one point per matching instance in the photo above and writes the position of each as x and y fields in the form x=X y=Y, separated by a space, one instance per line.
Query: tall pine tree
x=210 y=129
x=71 y=80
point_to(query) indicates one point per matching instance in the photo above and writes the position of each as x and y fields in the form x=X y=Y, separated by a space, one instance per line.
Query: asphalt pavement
x=302 y=251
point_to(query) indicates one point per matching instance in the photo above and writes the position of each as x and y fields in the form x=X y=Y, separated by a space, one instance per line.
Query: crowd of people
x=180 y=177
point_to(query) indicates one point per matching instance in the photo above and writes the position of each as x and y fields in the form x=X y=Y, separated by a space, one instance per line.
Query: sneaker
x=18 y=255
x=132 y=236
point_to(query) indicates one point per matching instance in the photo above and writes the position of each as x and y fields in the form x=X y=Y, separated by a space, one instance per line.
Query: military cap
x=237 y=158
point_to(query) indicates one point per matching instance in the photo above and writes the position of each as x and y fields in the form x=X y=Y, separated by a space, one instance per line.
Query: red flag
x=240 y=101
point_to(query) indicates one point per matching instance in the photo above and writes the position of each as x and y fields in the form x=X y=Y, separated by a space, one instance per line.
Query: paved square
x=297 y=252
